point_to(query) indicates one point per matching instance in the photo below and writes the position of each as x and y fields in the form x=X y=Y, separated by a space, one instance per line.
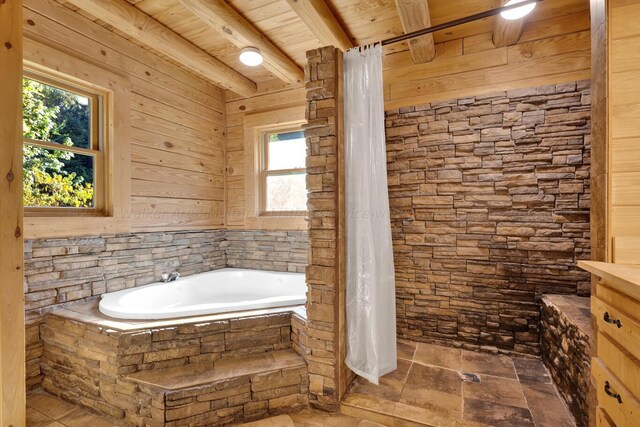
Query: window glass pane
x=57 y=178
x=286 y=192
x=55 y=115
x=287 y=150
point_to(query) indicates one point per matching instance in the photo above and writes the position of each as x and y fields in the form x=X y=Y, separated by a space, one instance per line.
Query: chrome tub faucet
x=170 y=277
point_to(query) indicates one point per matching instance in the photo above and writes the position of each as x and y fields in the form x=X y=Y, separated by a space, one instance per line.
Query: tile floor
x=44 y=410
x=442 y=386
x=48 y=411
x=433 y=385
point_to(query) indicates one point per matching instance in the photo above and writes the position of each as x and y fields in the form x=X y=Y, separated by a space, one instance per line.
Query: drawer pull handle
x=608 y=319
x=607 y=389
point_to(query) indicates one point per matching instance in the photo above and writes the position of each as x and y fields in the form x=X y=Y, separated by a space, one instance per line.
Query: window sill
x=73 y=226
x=277 y=222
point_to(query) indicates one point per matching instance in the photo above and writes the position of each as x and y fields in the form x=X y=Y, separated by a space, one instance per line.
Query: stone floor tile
x=546 y=406
x=49 y=405
x=436 y=355
x=420 y=415
x=313 y=418
x=496 y=390
x=390 y=386
x=531 y=370
x=496 y=414
x=436 y=389
x=81 y=418
x=36 y=418
x=488 y=364
x=279 y=421
x=406 y=349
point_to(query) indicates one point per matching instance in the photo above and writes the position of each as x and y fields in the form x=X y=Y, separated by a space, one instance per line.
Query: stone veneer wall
x=59 y=271
x=566 y=350
x=326 y=347
x=267 y=250
x=489 y=200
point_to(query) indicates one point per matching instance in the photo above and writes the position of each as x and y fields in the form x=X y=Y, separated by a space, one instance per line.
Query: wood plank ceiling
x=282 y=27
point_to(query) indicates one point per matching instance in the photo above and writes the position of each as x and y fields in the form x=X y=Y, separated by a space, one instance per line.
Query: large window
x=63 y=159
x=283 y=188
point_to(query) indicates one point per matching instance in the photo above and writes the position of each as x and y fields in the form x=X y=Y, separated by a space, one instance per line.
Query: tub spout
x=170 y=277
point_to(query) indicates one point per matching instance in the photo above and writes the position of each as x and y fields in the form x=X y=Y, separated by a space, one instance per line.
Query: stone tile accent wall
x=267 y=250
x=566 y=350
x=325 y=185
x=92 y=365
x=490 y=209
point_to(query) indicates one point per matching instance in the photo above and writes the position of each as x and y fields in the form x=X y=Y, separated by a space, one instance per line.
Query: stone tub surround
x=489 y=199
x=267 y=250
x=566 y=349
x=214 y=369
x=60 y=271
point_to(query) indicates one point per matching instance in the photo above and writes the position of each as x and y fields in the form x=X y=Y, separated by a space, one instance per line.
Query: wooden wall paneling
x=237 y=110
x=137 y=24
x=12 y=332
x=175 y=119
x=626 y=250
x=624 y=133
x=554 y=59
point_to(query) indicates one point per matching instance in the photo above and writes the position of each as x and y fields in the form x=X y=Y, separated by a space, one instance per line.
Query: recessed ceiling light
x=251 y=56
x=518 y=12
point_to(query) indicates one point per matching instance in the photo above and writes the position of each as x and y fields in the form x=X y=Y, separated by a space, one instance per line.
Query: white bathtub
x=219 y=291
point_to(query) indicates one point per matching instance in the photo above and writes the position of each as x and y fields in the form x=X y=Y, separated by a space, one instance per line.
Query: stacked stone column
x=328 y=374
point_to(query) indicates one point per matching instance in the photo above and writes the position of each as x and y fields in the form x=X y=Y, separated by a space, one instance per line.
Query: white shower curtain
x=370 y=291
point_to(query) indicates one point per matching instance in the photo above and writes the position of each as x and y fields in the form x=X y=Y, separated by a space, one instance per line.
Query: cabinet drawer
x=619 y=300
x=621 y=363
x=614 y=398
x=617 y=324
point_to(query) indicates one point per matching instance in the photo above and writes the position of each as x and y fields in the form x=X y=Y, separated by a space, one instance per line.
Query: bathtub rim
x=204 y=312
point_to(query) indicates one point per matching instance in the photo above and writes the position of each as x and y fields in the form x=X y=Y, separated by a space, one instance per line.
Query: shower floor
x=442 y=386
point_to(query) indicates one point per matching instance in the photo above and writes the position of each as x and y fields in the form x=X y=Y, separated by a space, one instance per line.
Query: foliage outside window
x=283 y=175
x=63 y=158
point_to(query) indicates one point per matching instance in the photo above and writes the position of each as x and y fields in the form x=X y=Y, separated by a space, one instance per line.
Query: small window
x=283 y=187
x=63 y=163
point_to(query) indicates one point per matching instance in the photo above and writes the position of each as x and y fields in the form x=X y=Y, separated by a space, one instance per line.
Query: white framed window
x=282 y=172
x=64 y=165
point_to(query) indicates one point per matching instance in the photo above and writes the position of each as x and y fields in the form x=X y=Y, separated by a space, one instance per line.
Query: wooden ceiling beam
x=507 y=32
x=414 y=16
x=142 y=27
x=323 y=24
x=228 y=22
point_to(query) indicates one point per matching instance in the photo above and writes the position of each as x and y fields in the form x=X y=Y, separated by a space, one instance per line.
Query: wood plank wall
x=177 y=121
x=237 y=109
x=624 y=128
x=12 y=334
x=555 y=50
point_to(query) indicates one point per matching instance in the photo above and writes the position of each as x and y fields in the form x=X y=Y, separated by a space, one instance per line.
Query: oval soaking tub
x=218 y=291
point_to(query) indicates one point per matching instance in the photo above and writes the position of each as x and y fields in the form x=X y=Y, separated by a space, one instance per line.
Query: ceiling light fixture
x=518 y=12
x=251 y=56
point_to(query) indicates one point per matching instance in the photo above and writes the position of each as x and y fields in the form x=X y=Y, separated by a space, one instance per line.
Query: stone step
x=225 y=391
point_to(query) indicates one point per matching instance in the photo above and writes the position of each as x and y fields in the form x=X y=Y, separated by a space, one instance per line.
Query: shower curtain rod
x=455 y=22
